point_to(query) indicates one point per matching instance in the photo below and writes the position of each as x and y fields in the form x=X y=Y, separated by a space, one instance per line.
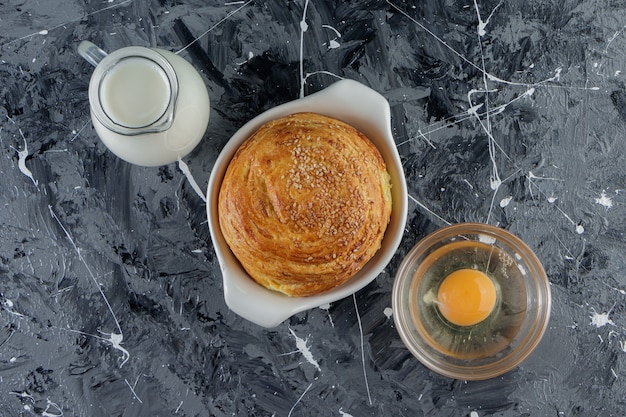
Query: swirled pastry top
x=304 y=203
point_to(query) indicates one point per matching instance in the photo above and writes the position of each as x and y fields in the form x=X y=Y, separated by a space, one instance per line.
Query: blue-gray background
x=506 y=112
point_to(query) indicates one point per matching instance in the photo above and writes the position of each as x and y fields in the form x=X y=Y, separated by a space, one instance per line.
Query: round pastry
x=304 y=203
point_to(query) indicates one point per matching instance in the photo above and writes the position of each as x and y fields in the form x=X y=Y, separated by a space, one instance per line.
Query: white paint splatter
x=303 y=348
x=337 y=33
x=250 y=56
x=114 y=338
x=326 y=307
x=482 y=25
x=21 y=163
x=116 y=342
x=23 y=394
x=473 y=110
x=623 y=292
x=185 y=170
x=300 y=399
x=531 y=176
x=358 y=316
x=495 y=182
x=52 y=410
x=535 y=177
x=309 y=74
x=303 y=28
x=388 y=312
x=600 y=319
x=341 y=413
x=333 y=44
x=232 y=12
x=557 y=75
x=132 y=389
x=8 y=305
x=423 y=206
x=612 y=38
x=432 y=145
x=604 y=200
x=77 y=133
x=505 y=201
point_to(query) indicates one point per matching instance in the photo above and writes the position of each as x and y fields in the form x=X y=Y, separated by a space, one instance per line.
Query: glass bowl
x=367 y=111
x=511 y=329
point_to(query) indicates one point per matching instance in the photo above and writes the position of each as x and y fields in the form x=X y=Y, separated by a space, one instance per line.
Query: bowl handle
x=372 y=118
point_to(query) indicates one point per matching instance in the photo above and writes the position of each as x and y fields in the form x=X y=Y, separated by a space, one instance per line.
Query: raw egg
x=466 y=297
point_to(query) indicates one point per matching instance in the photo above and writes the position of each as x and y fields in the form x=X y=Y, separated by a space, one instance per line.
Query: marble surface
x=511 y=113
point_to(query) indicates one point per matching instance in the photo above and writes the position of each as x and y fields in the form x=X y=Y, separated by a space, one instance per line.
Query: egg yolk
x=466 y=297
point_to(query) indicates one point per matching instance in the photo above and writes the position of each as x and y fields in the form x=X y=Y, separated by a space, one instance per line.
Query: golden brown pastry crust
x=304 y=203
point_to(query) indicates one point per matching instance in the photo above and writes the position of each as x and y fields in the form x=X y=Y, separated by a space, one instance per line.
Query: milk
x=135 y=92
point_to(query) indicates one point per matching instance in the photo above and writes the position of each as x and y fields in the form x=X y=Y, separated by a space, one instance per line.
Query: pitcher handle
x=91 y=52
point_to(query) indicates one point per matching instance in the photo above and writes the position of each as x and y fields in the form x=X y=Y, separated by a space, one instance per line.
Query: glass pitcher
x=150 y=107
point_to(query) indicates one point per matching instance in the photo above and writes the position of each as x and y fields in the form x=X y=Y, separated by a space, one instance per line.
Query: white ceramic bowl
x=367 y=111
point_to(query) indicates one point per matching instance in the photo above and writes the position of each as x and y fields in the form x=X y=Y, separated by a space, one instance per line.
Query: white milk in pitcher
x=135 y=92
